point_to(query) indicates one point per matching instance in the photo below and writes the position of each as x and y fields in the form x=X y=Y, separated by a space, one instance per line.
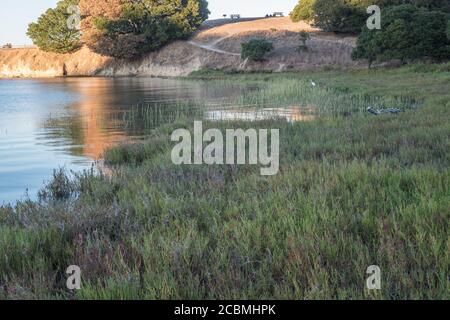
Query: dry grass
x=260 y=25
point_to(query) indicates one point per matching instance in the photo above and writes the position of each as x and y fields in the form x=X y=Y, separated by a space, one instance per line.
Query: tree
x=368 y=46
x=448 y=28
x=349 y=16
x=408 y=33
x=344 y=16
x=437 y=5
x=131 y=28
x=256 y=49
x=52 y=33
x=304 y=10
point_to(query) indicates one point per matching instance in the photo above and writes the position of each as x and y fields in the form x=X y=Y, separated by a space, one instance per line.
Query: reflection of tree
x=88 y=127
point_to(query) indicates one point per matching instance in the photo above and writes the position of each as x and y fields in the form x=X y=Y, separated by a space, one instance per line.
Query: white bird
x=313 y=83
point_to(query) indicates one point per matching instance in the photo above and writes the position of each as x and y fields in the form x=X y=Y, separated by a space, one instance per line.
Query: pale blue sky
x=16 y=14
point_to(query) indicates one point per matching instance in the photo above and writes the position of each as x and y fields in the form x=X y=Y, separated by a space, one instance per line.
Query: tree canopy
x=410 y=29
x=304 y=10
x=349 y=16
x=118 y=28
x=130 y=28
x=52 y=32
x=407 y=33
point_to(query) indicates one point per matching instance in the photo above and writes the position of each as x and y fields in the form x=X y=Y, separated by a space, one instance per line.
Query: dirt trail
x=225 y=31
x=213 y=46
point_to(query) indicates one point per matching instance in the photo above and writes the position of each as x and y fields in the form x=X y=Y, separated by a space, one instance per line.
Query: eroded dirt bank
x=216 y=47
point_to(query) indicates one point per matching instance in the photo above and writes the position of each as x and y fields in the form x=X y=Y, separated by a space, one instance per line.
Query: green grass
x=354 y=190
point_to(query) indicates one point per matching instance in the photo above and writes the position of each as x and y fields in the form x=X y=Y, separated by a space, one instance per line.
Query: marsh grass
x=284 y=93
x=353 y=190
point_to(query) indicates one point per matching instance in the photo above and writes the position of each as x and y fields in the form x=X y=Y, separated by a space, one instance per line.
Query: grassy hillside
x=353 y=190
x=212 y=47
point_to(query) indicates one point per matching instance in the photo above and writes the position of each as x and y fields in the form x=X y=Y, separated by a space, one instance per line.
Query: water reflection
x=290 y=114
x=100 y=118
x=96 y=128
x=69 y=122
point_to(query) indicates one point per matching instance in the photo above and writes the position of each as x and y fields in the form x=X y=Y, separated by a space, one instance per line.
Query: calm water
x=47 y=124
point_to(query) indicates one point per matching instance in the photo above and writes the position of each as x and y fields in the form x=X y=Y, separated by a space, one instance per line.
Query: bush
x=303 y=37
x=129 y=28
x=51 y=32
x=256 y=49
x=407 y=33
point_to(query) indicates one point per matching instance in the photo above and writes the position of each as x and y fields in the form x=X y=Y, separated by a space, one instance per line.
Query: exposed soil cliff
x=32 y=62
x=215 y=47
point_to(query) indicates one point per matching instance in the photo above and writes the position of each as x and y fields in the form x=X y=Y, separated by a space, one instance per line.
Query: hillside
x=215 y=46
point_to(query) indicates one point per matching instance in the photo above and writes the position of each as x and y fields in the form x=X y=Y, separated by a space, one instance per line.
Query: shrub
x=51 y=31
x=303 y=36
x=256 y=49
x=407 y=33
x=59 y=188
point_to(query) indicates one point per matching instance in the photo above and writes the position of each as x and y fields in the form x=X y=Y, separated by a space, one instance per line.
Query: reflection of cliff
x=98 y=122
x=108 y=111
x=96 y=139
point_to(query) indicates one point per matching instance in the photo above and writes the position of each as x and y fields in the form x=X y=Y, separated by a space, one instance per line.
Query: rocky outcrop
x=32 y=62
